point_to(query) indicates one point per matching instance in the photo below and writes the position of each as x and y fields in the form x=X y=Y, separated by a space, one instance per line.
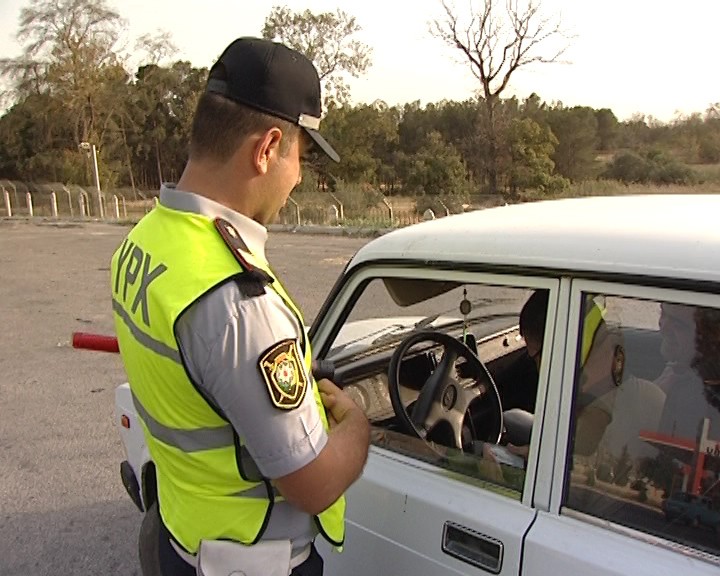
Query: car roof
x=670 y=236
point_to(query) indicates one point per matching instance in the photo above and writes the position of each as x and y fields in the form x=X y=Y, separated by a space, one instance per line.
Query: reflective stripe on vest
x=198 y=456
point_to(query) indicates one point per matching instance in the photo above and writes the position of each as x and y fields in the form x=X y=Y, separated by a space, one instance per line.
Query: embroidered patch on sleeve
x=283 y=371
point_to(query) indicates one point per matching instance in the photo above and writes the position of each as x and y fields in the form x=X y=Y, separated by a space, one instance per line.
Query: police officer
x=252 y=454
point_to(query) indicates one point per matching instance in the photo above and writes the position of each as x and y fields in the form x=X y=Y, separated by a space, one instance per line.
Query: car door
x=414 y=513
x=423 y=521
x=606 y=513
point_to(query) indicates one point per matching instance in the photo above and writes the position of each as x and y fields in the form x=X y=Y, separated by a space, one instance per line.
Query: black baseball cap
x=272 y=78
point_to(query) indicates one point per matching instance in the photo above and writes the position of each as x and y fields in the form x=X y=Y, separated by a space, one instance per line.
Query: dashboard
x=366 y=381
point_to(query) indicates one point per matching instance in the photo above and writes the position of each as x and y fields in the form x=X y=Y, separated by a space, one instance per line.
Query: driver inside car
x=518 y=422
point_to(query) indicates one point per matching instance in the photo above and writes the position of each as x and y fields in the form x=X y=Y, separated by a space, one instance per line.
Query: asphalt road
x=63 y=509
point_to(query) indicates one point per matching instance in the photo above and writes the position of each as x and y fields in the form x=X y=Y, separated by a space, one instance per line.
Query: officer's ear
x=267 y=147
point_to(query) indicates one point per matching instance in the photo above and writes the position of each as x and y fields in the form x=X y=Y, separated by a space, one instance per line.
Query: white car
x=422 y=330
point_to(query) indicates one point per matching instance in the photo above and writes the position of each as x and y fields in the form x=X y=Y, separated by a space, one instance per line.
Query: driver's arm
x=522 y=451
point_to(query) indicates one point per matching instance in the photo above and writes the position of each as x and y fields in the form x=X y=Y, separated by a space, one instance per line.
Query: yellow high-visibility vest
x=169 y=260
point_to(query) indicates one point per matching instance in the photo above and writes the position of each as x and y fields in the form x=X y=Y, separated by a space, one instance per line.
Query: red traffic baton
x=99 y=342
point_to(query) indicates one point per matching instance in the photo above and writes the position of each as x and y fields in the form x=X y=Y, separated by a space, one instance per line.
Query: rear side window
x=645 y=441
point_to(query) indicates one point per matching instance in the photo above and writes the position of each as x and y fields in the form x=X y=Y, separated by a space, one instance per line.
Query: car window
x=388 y=310
x=645 y=442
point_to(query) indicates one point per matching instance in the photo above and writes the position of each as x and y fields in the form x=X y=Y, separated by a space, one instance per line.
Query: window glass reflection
x=646 y=429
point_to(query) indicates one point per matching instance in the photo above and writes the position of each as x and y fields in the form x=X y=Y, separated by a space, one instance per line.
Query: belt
x=300 y=557
x=191 y=559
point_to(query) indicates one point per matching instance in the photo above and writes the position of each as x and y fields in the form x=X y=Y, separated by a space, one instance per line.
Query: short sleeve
x=223 y=339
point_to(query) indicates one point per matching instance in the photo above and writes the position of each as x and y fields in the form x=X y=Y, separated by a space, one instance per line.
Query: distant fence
x=70 y=201
x=298 y=213
x=391 y=212
x=65 y=201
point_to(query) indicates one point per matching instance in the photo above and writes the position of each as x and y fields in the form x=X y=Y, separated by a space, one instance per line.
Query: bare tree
x=156 y=47
x=496 y=43
x=713 y=111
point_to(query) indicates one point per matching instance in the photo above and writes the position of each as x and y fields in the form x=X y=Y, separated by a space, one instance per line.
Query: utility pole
x=92 y=151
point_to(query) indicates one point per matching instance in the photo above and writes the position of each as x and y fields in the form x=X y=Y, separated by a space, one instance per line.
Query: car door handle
x=472 y=547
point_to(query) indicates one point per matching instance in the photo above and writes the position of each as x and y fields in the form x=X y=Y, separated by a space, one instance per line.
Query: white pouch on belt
x=226 y=558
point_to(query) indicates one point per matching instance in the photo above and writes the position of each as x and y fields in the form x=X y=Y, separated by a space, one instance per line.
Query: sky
x=656 y=57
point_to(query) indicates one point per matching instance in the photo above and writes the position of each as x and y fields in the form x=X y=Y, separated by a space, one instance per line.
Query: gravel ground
x=63 y=509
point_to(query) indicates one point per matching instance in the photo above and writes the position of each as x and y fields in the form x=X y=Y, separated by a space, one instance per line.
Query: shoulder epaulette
x=239 y=249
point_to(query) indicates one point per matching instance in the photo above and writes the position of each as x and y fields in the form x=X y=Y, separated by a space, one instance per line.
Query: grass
x=615 y=188
x=708 y=173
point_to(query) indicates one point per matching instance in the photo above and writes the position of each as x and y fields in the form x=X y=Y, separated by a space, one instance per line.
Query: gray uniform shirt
x=221 y=338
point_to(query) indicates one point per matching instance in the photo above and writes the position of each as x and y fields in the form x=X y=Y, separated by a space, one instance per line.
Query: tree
x=70 y=65
x=70 y=86
x=437 y=170
x=68 y=47
x=161 y=105
x=33 y=134
x=607 y=128
x=458 y=124
x=416 y=123
x=364 y=136
x=576 y=131
x=496 y=46
x=531 y=148
x=635 y=132
x=326 y=39
x=710 y=139
x=534 y=108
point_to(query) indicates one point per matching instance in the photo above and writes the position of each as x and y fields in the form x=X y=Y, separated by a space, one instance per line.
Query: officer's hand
x=337 y=403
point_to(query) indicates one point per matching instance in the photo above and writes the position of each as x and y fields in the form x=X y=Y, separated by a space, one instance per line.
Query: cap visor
x=324 y=146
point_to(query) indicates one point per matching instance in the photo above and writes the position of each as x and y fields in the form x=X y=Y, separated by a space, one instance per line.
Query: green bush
x=710 y=149
x=628 y=167
x=649 y=168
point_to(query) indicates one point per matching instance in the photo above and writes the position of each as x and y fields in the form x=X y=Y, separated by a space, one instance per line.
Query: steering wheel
x=442 y=397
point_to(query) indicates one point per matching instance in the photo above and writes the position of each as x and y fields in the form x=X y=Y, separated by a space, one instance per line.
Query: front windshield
x=389 y=308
